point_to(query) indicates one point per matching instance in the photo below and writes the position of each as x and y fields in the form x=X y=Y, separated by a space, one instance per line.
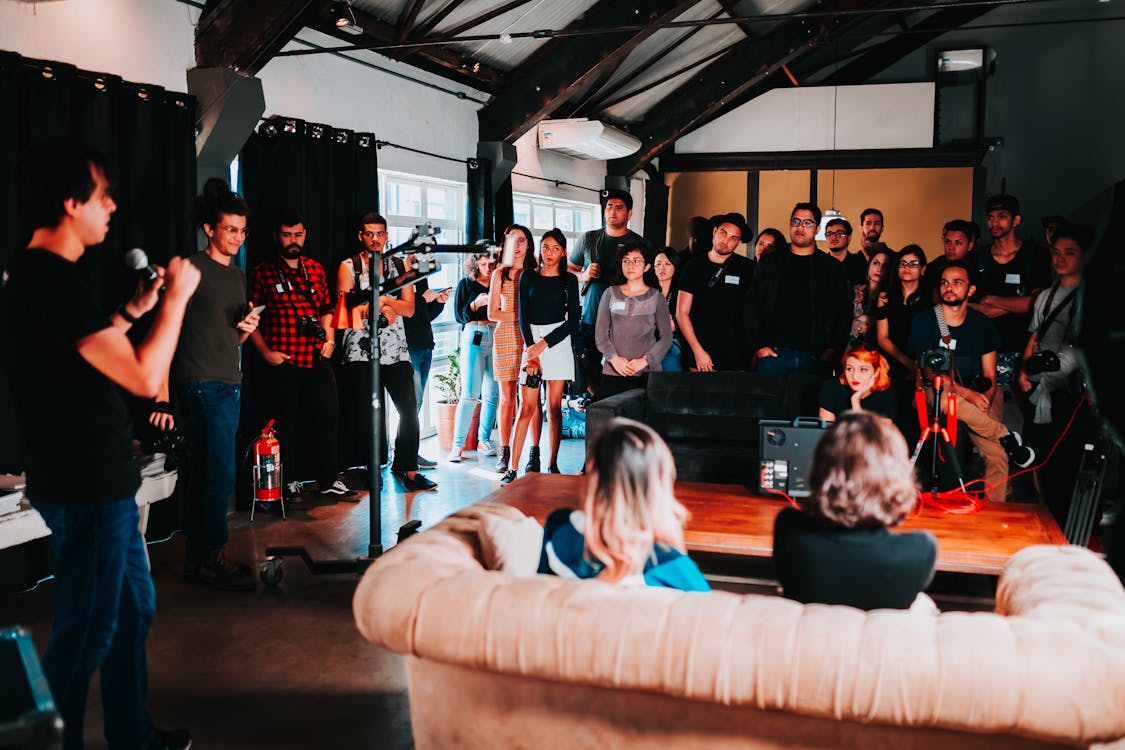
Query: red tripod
x=943 y=437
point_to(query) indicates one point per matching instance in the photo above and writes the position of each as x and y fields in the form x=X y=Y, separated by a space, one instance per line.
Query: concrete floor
x=282 y=667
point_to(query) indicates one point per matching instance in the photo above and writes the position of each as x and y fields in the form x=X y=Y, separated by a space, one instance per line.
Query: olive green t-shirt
x=208 y=348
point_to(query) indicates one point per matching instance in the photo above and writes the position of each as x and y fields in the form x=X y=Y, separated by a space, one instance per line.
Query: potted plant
x=448 y=385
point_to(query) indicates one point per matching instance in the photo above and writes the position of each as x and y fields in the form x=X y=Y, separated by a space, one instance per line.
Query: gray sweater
x=629 y=326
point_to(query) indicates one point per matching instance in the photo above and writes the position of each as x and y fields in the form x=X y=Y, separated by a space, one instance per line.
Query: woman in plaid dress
x=507 y=343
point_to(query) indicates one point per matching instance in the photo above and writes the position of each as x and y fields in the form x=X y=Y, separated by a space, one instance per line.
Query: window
x=540 y=214
x=407 y=201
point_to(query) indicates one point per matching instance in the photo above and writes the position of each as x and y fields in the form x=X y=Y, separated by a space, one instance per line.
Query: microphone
x=137 y=260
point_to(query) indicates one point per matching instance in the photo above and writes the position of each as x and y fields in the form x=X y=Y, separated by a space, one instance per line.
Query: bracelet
x=129 y=318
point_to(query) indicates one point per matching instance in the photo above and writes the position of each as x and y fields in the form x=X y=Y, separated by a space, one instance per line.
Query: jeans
x=790 y=360
x=672 y=361
x=477 y=383
x=420 y=359
x=104 y=604
x=209 y=419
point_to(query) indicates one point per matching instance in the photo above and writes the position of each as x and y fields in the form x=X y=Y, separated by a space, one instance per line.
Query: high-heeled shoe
x=553 y=469
x=504 y=459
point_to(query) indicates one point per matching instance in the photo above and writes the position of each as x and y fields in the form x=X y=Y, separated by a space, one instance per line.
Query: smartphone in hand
x=258 y=310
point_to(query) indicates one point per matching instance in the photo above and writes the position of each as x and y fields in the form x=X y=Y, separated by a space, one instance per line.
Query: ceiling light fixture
x=344 y=18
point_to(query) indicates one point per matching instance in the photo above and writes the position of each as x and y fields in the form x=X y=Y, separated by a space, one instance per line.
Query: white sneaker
x=454 y=456
x=293 y=488
x=485 y=448
x=339 y=489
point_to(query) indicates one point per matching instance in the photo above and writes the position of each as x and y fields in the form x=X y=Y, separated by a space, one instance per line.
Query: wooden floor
x=732 y=520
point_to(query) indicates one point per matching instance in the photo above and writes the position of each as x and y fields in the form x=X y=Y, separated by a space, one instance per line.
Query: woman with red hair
x=863 y=386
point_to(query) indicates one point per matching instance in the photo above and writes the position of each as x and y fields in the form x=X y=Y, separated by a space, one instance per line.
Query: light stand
x=423 y=244
x=940 y=440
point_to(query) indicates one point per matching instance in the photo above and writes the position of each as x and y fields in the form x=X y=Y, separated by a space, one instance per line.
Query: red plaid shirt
x=279 y=287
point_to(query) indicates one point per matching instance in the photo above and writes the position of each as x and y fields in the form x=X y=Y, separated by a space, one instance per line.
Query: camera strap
x=1050 y=316
x=306 y=292
x=943 y=327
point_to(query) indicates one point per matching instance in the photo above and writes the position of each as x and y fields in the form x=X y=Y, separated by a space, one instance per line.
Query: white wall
x=153 y=41
x=589 y=173
x=822 y=119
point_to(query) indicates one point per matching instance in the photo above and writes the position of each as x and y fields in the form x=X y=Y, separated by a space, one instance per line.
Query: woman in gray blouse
x=634 y=329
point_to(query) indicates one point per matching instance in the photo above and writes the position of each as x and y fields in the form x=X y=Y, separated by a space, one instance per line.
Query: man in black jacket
x=800 y=305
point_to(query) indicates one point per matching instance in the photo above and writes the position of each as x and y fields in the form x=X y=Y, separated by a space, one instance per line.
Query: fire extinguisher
x=266 y=467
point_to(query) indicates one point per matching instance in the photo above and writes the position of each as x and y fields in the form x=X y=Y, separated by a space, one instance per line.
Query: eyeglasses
x=838 y=234
x=806 y=223
x=633 y=262
x=909 y=263
x=227 y=229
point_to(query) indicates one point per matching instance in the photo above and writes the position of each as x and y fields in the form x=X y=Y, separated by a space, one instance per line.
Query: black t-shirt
x=76 y=428
x=598 y=247
x=794 y=325
x=208 y=346
x=468 y=289
x=856 y=267
x=1028 y=270
x=837 y=398
x=864 y=568
x=972 y=339
x=717 y=307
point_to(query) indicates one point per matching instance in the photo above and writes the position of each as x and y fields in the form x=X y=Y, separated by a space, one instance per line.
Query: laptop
x=787 y=449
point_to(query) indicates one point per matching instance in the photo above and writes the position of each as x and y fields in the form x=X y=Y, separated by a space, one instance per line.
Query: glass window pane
x=583 y=221
x=564 y=219
x=398 y=235
x=404 y=199
x=522 y=213
x=542 y=217
x=436 y=207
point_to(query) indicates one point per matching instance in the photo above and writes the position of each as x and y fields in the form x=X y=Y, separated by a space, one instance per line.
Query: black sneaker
x=1019 y=453
x=219 y=572
x=338 y=489
x=169 y=739
x=417 y=484
x=532 y=461
x=504 y=459
x=426 y=463
x=509 y=477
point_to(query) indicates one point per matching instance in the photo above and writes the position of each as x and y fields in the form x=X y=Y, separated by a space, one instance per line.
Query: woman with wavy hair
x=838 y=548
x=862 y=386
x=631 y=527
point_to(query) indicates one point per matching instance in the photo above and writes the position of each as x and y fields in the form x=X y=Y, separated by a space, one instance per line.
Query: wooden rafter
x=407 y=23
x=244 y=35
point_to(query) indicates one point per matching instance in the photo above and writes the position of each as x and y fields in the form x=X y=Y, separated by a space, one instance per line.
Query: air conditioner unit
x=586 y=139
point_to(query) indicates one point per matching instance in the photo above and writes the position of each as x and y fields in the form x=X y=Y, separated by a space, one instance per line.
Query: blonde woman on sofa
x=631 y=527
x=838 y=548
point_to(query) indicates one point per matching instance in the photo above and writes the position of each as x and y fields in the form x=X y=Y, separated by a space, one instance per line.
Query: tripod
x=939 y=436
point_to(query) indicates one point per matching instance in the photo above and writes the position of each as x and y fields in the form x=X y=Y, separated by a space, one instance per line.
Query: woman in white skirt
x=548 y=314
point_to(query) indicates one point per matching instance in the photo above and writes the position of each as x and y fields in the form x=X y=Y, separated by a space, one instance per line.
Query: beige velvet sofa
x=497 y=657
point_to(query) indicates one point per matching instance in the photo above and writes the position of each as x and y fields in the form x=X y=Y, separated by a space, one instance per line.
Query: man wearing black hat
x=712 y=298
x=594 y=260
x=800 y=305
x=1011 y=272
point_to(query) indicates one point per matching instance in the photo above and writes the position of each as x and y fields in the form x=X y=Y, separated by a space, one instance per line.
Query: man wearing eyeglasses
x=838 y=233
x=712 y=298
x=800 y=303
x=296 y=340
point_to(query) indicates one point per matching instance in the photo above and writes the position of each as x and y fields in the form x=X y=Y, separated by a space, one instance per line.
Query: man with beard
x=712 y=298
x=838 y=234
x=800 y=308
x=871 y=231
x=973 y=341
x=958 y=242
x=594 y=260
x=1011 y=272
x=296 y=340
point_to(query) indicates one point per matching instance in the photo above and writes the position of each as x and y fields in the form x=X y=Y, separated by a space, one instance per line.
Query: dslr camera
x=939 y=360
x=1041 y=362
x=309 y=326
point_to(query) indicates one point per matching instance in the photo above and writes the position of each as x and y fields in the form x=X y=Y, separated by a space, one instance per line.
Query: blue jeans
x=420 y=360
x=104 y=605
x=477 y=383
x=209 y=419
x=789 y=360
x=672 y=361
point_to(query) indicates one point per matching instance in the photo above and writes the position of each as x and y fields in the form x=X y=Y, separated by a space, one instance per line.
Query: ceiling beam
x=893 y=158
x=431 y=23
x=563 y=67
x=747 y=68
x=434 y=59
x=729 y=7
x=485 y=17
x=407 y=23
x=244 y=35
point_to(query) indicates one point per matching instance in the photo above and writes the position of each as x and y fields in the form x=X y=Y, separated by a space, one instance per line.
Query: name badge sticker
x=951 y=346
x=732 y=279
x=280 y=288
x=1012 y=278
x=617 y=306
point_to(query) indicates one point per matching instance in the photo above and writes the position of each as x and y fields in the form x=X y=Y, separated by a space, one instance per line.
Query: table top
x=731 y=519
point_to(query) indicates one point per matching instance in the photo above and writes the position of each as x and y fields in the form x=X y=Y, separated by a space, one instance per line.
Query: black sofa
x=710 y=419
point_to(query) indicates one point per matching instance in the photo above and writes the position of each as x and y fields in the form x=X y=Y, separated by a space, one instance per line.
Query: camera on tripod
x=309 y=326
x=939 y=360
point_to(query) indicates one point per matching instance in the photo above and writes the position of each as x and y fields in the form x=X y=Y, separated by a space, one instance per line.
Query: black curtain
x=147 y=135
x=329 y=175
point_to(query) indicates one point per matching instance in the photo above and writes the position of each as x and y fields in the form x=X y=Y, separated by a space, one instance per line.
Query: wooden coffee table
x=730 y=519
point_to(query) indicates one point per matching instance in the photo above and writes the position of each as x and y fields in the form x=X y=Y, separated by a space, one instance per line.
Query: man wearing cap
x=712 y=299
x=1010 y=272
x=838 y=233
x=800 y=304
x=594 y=260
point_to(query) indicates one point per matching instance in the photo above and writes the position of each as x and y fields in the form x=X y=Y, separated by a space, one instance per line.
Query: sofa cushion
x=512 y=545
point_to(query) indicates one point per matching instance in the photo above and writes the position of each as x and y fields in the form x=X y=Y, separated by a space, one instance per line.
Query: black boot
x=502 y=460
x=217 y=571
x=532 y=461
